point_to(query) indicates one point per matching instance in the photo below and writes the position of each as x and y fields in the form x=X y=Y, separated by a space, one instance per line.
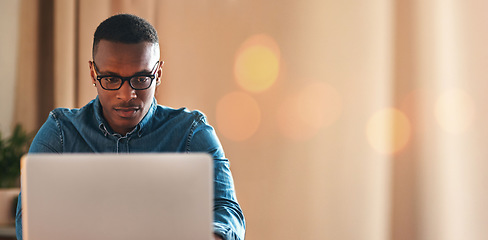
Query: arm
x=47 y=140
x=229 y=222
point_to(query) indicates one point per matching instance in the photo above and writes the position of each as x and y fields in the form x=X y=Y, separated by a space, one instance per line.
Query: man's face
x=125 y=108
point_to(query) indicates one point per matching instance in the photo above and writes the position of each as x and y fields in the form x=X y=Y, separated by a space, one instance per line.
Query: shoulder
x=165 y=113
x=73 y=120
x=65 y=115
x=60 y=113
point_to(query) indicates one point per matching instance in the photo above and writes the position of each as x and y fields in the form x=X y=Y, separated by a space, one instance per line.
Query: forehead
x=115 y=55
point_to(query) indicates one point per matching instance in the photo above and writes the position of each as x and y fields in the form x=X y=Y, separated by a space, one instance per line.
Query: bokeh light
x=238 y=116
x=455 y=111
x=388 y=131
x=303 y=114
x=257 y=63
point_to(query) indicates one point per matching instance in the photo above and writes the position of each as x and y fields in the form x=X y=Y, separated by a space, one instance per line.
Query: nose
x=126 y=92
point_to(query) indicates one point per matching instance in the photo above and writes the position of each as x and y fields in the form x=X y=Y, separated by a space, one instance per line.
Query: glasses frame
x=151 y=75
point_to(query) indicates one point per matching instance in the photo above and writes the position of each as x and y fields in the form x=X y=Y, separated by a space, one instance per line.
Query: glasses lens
x=110 y=82
x=141 y=82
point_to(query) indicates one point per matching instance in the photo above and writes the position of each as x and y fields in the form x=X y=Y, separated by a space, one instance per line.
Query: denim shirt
x=163 y=129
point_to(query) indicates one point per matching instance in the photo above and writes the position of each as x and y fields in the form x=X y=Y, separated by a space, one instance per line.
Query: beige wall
x=372 y=127
x=9 y=22
x=294 y=179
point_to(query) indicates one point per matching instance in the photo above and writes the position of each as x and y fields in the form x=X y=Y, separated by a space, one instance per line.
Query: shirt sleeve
x=229 y=220
x=47 y=140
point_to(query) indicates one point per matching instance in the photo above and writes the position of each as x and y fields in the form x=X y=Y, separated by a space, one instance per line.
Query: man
x=125 y=117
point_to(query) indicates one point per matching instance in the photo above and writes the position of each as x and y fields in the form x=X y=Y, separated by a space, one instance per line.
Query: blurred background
x=342 y=120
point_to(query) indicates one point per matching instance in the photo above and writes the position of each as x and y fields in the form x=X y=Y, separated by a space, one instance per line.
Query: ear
x=159 y=73
x=92 y=71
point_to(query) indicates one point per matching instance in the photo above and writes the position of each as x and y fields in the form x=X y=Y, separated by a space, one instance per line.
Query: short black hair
x=125 y=28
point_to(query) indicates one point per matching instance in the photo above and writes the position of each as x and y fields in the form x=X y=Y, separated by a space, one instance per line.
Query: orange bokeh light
x=238 y=116
x=315 y=106
x=257 y=63
x=388 y=131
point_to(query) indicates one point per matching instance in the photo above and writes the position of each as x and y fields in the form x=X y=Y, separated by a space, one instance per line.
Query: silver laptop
x=117 y=196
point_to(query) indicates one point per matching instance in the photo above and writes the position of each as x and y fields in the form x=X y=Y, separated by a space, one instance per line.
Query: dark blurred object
x=11 y=150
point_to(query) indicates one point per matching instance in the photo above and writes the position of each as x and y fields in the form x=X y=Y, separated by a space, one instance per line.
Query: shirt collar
x=104 y=127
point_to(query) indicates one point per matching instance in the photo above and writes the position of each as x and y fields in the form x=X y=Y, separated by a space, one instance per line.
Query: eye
x=141 y=80
x=111 y=80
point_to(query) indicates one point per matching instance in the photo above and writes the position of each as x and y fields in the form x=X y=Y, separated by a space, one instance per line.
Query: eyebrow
x=109 y=73
x=116 y=74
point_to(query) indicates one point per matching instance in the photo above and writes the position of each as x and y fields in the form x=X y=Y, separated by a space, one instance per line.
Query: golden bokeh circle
x=257 y=63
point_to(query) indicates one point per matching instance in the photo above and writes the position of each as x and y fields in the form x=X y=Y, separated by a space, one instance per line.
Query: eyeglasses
x=136 y=82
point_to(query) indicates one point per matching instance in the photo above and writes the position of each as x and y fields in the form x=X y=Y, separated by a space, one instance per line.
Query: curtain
x=341 y=119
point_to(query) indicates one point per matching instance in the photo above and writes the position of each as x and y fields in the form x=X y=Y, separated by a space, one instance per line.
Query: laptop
x=117 y=196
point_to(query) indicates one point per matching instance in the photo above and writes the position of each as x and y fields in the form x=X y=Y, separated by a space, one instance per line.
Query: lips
x=126 y=112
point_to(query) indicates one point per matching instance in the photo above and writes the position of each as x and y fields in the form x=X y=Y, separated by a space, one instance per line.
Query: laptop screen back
x=117 y=196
